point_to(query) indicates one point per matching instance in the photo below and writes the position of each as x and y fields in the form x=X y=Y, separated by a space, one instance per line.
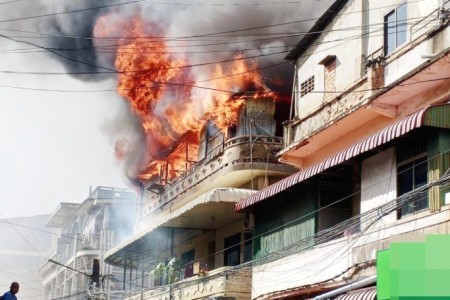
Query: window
x=412 y=170
x=248 y=251
x=395 y=28
x=307 y=86
x=211 y=255
x=188 y=256
x=231 y=254
x=186 y=261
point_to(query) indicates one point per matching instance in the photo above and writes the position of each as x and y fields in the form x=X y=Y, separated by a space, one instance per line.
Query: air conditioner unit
x=249 y=221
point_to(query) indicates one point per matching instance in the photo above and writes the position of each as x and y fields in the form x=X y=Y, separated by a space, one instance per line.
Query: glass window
x=231 y=254
x=401 y=24
x=395 y=28
x=389 y=33
x=411 y=176
x=248 y=247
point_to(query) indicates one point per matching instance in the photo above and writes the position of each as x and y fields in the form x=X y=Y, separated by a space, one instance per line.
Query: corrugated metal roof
x=369 y=293
x=385 y=135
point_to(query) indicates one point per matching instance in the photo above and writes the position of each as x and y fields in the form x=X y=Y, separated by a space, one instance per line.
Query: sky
x=54 y=145
x=57 y=138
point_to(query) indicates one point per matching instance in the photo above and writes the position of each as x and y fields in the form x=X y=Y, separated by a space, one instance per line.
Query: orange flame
x=162 y=91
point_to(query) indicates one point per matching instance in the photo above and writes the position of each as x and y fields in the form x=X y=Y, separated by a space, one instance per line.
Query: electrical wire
x=365 y=221
x=116 y=72
x=308 y=215
x=227 y=42
x=198 y=35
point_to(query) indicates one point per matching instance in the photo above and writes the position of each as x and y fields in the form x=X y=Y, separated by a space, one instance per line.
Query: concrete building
x=371 y=135
x=189 y=236
x=82 y=234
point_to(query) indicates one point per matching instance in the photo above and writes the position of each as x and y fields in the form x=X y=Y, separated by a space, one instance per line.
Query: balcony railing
x=89 y=242
x=219 y=282
x=428 y=23
x=241 y=149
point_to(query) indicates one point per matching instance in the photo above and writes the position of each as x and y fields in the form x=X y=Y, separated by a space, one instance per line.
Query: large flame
x=163 y=91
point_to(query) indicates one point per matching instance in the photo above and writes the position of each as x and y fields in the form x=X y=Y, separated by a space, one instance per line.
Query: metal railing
x=89 y=242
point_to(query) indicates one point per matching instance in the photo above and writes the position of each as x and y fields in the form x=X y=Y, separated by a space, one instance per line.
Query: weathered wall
x=379 y=181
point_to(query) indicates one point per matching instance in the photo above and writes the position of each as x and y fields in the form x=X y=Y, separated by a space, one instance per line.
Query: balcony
x=216 y=283
x=230 y=163
x=89 y=242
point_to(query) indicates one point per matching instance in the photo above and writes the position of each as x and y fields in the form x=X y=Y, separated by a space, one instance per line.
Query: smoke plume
x=168 y=57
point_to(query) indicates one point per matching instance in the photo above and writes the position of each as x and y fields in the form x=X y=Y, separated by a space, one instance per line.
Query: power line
x=198 y=35
x=178 y=67
x=365 y=221
x=142 y=40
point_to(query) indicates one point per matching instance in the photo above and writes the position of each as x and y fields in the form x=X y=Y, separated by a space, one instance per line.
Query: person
x=13 y=290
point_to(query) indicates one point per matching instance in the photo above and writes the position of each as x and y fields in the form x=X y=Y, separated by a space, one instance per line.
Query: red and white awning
x=385 y=135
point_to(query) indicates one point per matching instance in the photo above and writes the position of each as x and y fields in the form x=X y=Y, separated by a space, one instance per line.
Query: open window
x=231 y=254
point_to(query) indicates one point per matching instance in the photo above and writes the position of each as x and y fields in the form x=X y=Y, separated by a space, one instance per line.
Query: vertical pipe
x=365 y=17
x=142 y=276
x=187 y=155
x=294 y=90
x=172 y=253
x=207 y=141
x=124 y=275
x=251 y=142
x=172 y=242
x=166 y=176
x=442 y=12
x=131 y=274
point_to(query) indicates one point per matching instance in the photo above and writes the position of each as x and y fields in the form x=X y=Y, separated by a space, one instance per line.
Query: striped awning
x=369 y=293
x=437 y=116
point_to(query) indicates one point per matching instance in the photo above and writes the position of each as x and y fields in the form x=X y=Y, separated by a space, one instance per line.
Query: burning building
x=187 y=212
x=209 y=130
x=206 y=150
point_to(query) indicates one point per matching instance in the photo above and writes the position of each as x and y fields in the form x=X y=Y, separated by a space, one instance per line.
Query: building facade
x=189 y=236
x=82 y=234
x=371 y=136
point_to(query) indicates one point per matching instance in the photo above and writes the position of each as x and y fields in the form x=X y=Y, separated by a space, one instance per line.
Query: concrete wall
x=407 y=58
x=379 y=181
x=359 y=27
x=334 y=41
x=377 y=10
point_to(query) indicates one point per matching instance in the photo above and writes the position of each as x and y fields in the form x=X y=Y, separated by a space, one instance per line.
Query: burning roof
x=172 y=104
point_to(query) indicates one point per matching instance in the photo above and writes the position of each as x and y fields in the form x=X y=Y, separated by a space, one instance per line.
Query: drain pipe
x=347 y=288
x=442 y=12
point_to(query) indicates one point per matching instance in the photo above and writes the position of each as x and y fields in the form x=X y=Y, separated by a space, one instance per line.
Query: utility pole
x=94 y=278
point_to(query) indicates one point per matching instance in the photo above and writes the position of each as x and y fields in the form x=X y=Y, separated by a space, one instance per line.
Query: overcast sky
x=53 y=145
